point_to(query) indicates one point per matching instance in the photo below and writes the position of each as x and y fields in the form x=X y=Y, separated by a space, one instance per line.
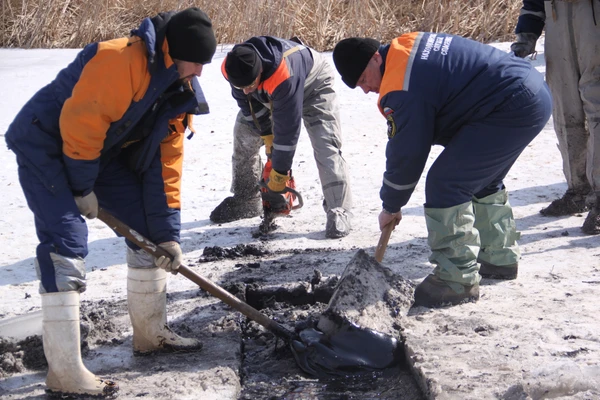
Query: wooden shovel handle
x=204 y=283
x=384 y=239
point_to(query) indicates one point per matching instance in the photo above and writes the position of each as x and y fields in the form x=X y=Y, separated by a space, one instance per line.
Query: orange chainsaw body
x=289 y=195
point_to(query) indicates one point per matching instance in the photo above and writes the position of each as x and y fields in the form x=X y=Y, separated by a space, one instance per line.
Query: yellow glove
x=277 y=181
x=268 y=140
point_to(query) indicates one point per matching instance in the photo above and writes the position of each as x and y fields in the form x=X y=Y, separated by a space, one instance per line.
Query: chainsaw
x=285 y=201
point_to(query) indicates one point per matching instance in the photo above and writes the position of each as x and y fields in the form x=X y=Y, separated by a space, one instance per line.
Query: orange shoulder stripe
x=281 y=74
x=398 y=64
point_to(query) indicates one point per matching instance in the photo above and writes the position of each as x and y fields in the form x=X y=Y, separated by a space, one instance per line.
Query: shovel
x=383 y=240
x=339 y=347
x=316 y=354
x=215 y=290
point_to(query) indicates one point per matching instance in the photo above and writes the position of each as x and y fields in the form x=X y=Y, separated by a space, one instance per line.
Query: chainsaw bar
x=268 y=223
x=289 y=194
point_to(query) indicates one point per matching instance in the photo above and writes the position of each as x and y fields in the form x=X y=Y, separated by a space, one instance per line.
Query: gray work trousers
x=320 y=114
x=573 y=74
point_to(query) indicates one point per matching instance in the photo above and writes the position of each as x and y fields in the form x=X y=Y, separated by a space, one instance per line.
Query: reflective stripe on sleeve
x=284 y=148
x=539 y=14
x=399 y=187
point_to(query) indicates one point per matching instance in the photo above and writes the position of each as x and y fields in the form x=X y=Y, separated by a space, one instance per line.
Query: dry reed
x=320 y=23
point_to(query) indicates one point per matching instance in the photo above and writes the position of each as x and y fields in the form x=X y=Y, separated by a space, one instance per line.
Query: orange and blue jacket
x=118 y=98
x=432 y=85
x=277 y=102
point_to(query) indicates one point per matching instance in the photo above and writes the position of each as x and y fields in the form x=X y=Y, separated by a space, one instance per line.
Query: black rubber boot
x=234 y=208
x=591 y=225
x=504 y=272
x=571 y=203
x=434 y=292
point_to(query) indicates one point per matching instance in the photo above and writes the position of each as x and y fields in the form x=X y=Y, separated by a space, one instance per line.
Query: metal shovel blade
x=351 y=350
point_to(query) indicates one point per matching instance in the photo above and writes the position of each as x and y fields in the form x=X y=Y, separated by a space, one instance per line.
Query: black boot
x=591 y=226
x=434 y=292
x=504 y=272
x=571 y=203
x=234 y=208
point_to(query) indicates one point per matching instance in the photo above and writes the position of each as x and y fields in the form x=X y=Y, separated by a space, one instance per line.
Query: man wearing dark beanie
x=351 y=57
x=242 y=65
x=278 y=84
x=191 y=37
x=100 y=136
x=484 y=106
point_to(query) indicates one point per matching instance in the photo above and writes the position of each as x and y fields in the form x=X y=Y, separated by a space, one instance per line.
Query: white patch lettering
x=428 y=46
x=446 y=45
x=438 y=44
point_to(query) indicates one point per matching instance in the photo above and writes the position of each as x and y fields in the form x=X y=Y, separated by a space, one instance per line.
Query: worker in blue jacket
x=573 y=74
x=108 y=132
x=279 y=84
x=484 y=106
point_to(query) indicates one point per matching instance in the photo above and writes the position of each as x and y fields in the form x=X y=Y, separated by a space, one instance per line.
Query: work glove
x=268 y=141
x=164 y=262
x=277 y=182
x=87 y=205
x=386 y=217
x=525 y=44
x=273 y=193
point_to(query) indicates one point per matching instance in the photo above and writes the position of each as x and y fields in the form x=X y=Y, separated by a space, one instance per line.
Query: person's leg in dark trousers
x=120 y=192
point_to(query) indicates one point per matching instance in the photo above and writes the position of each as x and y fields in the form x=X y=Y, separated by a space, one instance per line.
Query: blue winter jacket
x=432 y=85
x=119 y=95
x=277 y=103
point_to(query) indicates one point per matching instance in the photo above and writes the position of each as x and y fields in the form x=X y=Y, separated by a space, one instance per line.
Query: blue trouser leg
x=478 y=157
x=62 y=231
x=60 y=228
x=119 y=191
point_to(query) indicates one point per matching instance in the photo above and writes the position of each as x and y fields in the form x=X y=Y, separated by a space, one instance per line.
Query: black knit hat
x=242 y=65
x=191 y=37
x=351 y=57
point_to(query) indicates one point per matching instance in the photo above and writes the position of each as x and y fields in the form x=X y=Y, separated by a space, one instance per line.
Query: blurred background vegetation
x=319 y=23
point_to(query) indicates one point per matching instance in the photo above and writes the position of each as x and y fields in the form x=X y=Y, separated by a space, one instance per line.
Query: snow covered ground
x=536 y=337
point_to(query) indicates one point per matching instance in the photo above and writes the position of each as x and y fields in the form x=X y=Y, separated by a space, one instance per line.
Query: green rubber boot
x=499 y=254
x=454 y=246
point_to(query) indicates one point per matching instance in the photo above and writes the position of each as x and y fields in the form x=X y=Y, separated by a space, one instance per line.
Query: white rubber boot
x=66 y=372
x=147 y=302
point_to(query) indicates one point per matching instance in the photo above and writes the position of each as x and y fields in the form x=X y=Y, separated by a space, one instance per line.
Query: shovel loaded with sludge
x=340 y=345
x=358 y=331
